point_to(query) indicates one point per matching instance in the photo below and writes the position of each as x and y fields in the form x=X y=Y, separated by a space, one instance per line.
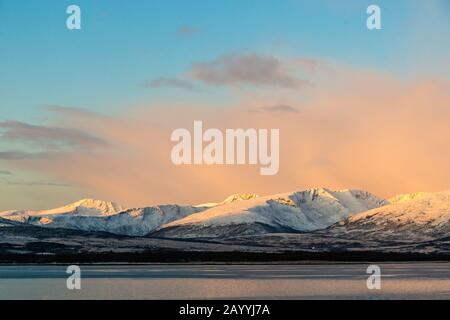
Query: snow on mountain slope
x=133 y=222
x=97 y=215
x=233 y=198
x=88 y=207
x=239 y=197
x=307 y=210
x=85 y=207
x=418 y=216
x=408 y=197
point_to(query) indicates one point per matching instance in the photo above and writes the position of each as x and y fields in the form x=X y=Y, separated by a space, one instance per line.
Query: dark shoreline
x=166 y=256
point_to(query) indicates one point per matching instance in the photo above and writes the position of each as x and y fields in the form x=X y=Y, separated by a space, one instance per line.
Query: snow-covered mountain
x=347 y=214
x=85 y=207
x=104 y=216
x=417 y=217
x=239 y=214
x=315 y=220
x=302 y=211
x=96 y=215
x=132 y=222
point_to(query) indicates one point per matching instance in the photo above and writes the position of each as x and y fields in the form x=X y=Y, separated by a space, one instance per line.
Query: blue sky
x=124 y=44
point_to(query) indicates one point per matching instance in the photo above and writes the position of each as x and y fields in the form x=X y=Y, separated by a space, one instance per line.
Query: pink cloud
x=356 y=129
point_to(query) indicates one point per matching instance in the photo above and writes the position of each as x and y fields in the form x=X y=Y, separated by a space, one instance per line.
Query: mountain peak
x=301 y=211
x=239 y=197
x=408 y=197
x=230 y=199
x=413 y=216
x=83 y=207
x=104 y=207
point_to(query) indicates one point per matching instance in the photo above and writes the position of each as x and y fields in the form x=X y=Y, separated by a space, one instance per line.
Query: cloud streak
x=187 y=31
x=47 y=136
x=278 y=108
x=32 y=183
x=174 y=82
x=246 y=69
x=20 y=155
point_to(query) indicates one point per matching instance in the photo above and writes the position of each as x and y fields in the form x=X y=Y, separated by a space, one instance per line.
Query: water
x=157 y=281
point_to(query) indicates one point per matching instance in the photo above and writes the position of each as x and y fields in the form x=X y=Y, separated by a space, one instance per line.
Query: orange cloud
x=353 y=129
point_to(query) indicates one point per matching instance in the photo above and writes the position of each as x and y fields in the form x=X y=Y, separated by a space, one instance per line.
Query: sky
x=88 y=113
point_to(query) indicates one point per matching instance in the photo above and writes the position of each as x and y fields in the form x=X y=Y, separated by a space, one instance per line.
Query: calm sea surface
x=336 y=281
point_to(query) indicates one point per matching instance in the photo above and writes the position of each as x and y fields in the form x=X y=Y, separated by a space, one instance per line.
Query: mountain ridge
x=300 y=211
x=417 y=216
x=85 y=206
x=344 y=213
x=314 y=221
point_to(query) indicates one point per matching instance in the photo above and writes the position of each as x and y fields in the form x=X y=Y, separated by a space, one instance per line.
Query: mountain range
x=317 y=219
x=239 y=214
